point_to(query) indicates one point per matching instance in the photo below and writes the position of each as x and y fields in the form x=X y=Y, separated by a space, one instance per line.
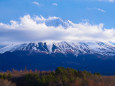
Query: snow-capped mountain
x=55 y=22
x=58 y=22
x=75 y=48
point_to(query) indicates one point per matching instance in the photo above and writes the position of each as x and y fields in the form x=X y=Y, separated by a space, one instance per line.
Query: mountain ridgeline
x=75 y=48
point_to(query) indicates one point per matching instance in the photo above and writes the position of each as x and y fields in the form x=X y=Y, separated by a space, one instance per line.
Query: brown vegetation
x=60 y=77
x=6 y=83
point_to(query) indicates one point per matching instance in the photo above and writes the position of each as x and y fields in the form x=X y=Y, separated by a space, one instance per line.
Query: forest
x=60 y=77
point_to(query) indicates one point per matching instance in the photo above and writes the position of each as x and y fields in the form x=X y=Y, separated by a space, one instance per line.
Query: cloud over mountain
x=53 y=28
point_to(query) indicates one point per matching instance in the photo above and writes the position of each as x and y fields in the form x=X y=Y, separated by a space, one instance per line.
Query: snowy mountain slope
x=55 y=22
x=58 y=22
x=74 y=48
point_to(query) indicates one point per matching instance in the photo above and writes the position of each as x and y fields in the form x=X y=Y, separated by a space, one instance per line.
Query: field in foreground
x=60 y=77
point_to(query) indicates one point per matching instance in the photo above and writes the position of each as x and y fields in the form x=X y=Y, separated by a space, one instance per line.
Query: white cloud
x=111 y=0
x=36 y=3
x=55 y=4
x=107 y=0
x=101 y=10
x=98 y=9
x=34 y=29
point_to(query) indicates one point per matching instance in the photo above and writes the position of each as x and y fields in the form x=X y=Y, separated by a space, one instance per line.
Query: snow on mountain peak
x=54 y=21
x=74 y=48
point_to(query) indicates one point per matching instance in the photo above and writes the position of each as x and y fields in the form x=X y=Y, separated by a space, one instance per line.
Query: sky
x=90 y=18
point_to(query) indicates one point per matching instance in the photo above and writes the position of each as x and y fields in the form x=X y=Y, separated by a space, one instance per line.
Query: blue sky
x=95 y=11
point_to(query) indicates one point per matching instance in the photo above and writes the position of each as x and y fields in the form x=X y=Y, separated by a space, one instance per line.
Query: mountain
x=90 y=56
x=55 y=22
x=75 y=48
